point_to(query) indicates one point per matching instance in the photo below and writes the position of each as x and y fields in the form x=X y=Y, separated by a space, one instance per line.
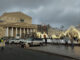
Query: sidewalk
x=60 y=50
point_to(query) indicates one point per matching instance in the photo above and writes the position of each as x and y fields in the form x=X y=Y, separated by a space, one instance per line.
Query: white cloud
x=38 y=10
x=47 y=11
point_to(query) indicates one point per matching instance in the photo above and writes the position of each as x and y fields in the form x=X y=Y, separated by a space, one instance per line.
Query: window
x=21 y=20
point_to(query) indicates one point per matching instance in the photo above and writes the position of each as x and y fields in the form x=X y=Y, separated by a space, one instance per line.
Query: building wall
x=11 y=20
x=42 y=29
x=16 y=17
x=2 y=31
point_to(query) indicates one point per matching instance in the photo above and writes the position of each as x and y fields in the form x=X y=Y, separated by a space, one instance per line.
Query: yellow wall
x=15 y=17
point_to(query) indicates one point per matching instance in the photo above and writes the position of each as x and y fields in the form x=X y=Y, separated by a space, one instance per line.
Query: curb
x=53 y=53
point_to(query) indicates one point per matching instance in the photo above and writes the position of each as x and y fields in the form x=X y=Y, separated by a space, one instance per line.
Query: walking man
x=71 y=39
x=45 y=39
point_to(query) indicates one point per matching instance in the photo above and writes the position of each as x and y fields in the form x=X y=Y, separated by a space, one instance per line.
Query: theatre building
x=17 y=25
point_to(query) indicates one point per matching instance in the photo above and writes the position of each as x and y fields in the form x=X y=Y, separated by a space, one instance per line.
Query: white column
x=20 y=32
x=16 y=32
x=7 y=32
x=12 y=32
x=24 y=30
x=27 y=31
x=31 y=30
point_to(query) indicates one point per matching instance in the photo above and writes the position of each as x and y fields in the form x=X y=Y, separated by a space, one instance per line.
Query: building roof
x=15 y=14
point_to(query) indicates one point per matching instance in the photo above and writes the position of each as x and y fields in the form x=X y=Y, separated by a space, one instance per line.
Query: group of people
x=72 y=38
x=69 y=36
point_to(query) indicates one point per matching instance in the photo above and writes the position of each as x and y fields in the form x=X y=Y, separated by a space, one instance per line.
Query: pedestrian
x=2 y=44
x=66 y=40
x=22 y=45
x=71 y=39
x=45 y=39
x=76 y=38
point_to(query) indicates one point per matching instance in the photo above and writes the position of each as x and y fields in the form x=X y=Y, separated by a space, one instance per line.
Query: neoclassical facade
x=17 y=25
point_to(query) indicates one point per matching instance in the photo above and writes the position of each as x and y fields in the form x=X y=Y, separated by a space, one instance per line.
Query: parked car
x=16 y=40
x=34 y=41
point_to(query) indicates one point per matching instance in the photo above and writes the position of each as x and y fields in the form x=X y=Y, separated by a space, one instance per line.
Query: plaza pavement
x=13 y=52
x=60 y=50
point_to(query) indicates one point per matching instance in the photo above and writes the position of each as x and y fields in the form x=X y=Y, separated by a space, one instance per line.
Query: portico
x=19 y=30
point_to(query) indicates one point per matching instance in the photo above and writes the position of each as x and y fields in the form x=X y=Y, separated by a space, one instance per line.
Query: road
x=16 y=53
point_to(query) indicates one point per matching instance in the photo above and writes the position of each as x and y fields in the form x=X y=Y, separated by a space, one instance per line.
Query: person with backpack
x=2 y=42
